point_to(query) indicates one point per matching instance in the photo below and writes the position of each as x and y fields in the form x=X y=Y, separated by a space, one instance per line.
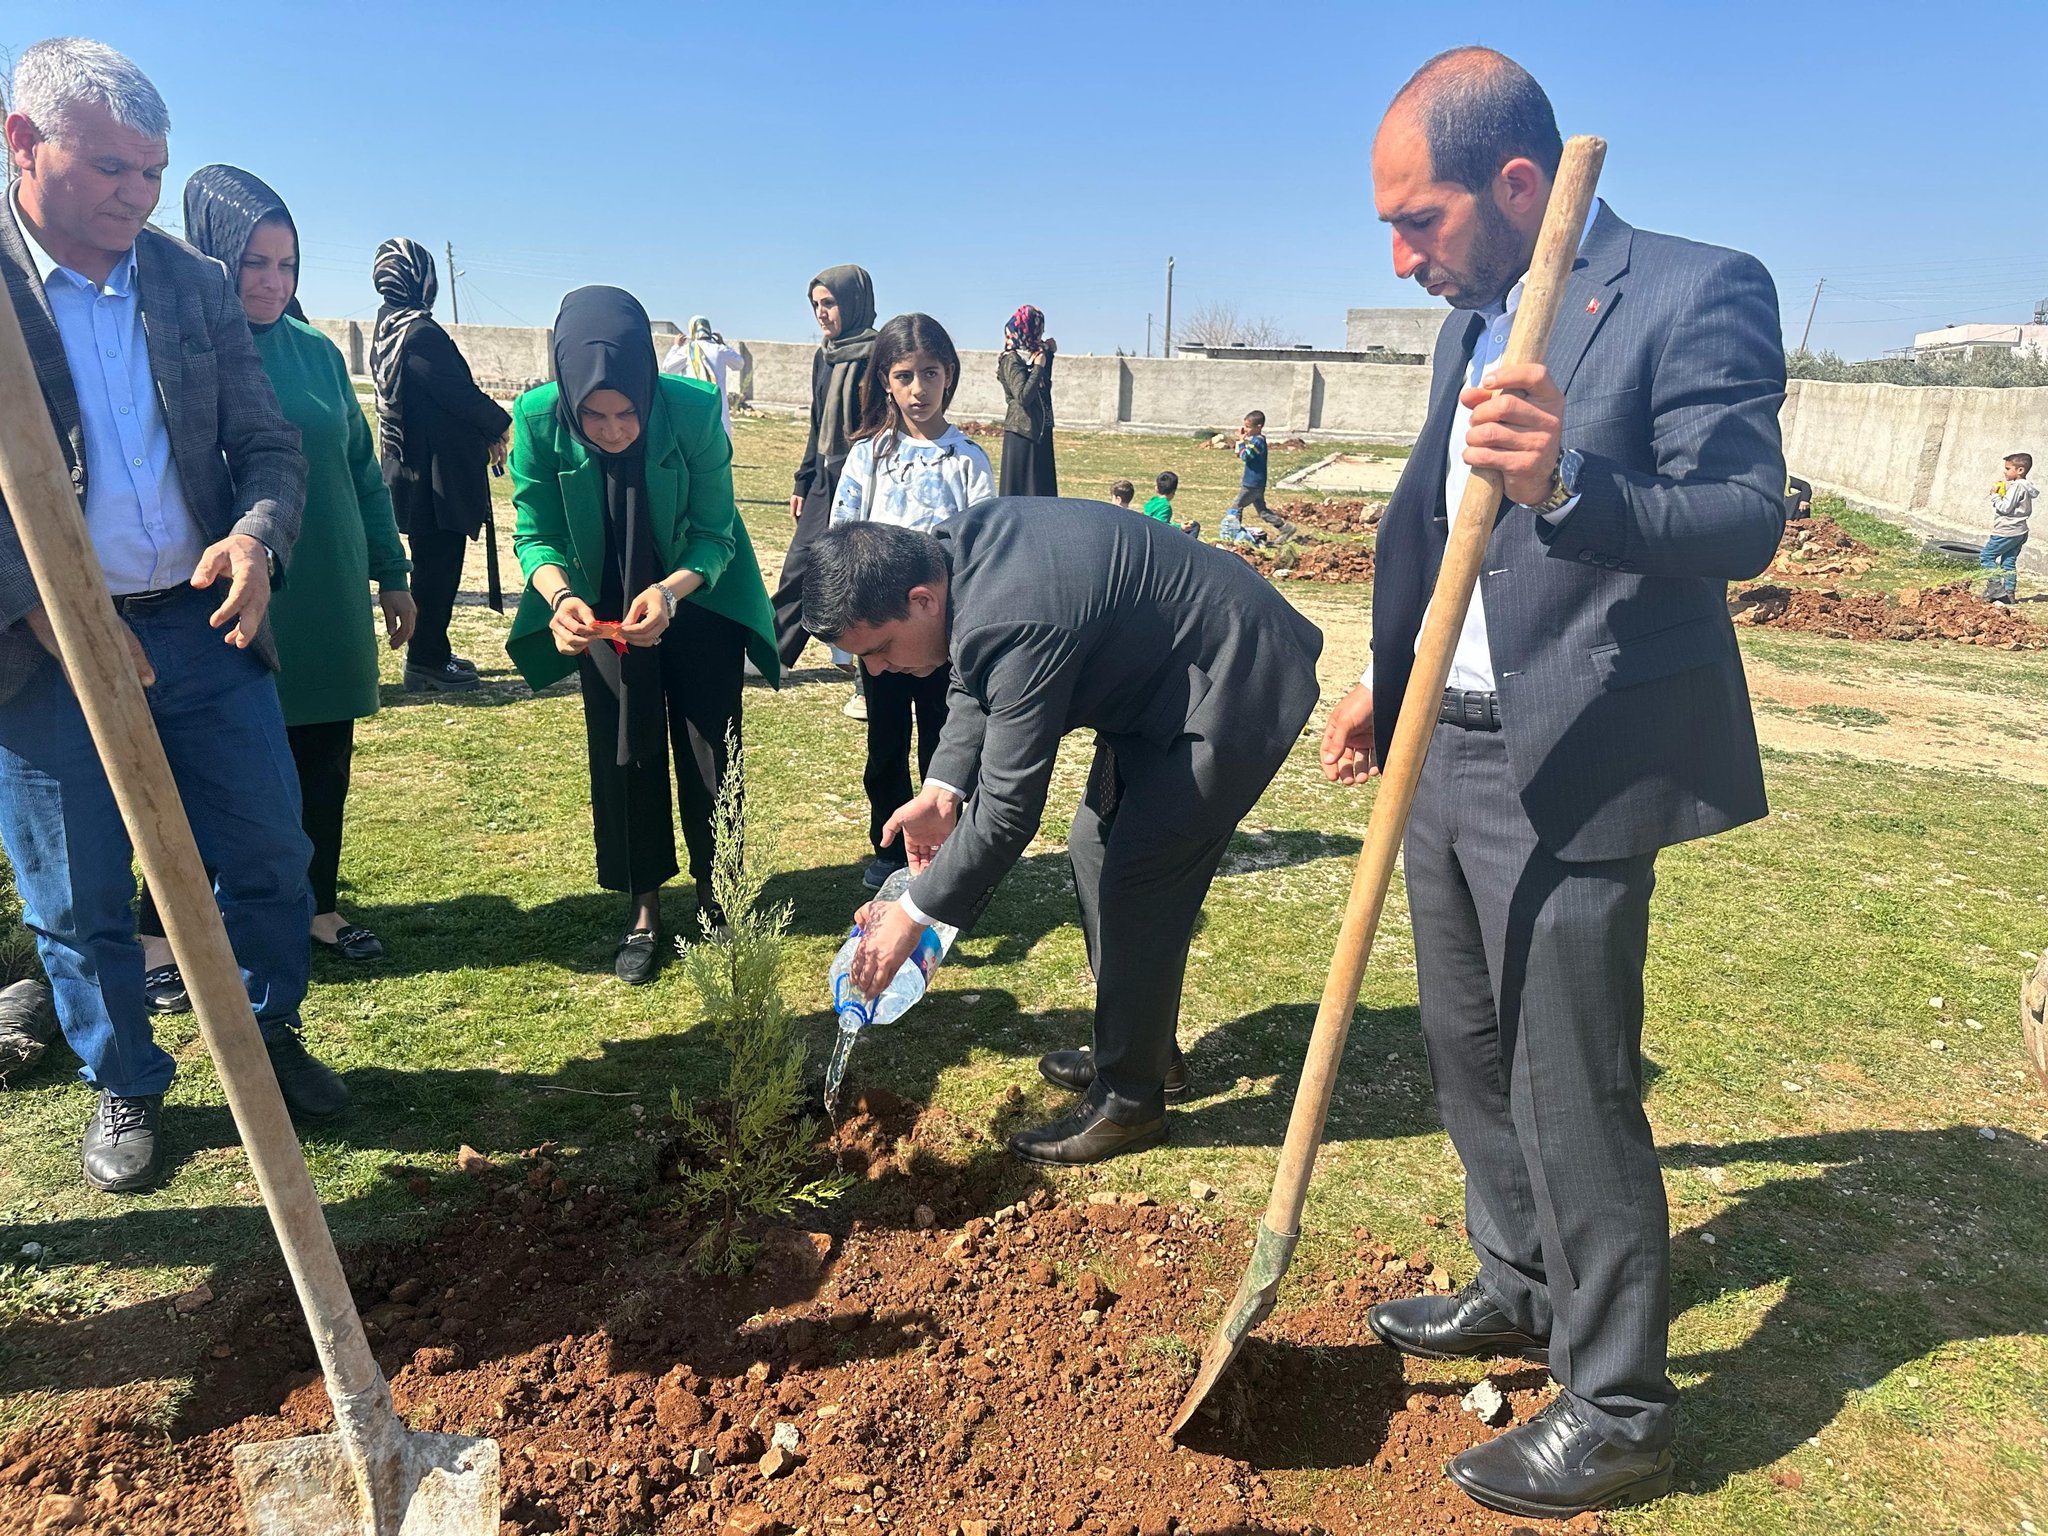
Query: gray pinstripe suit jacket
x=1622 y=697
x=237 y=457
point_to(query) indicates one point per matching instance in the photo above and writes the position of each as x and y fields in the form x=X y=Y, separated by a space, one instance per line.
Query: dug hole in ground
x=957 y=1349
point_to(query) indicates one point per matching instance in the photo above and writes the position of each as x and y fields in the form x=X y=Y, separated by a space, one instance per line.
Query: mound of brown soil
x=1818 y=546
x=1952 y=612
x=1334 y=516
x=1340 y=564
x=960 y=1362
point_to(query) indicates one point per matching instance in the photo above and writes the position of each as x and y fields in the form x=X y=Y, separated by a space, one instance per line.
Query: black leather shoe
x=1076 y=1070
x=355 y=942
x=164 y=990
x=1556 y=1466
x=1088 y=1135
x=310 y=1088
x=28 y=1023
x=123 y=1150
x=1461 y=1327
x=636 y=960
x=446 y=678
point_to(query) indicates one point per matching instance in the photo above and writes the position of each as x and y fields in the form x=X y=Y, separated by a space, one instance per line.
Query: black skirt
x=1027 y=467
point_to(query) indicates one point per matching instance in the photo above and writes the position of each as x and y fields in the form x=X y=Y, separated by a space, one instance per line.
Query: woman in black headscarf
x=438 y=435
x=843 y=300
x=627 y=531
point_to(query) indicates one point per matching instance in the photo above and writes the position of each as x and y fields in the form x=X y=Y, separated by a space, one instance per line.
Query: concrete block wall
x=1924 y=458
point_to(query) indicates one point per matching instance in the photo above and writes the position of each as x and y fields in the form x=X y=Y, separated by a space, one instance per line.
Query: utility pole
x=1166 y=345
x=454 y=296
x=1148 y=334
x=1809 y=313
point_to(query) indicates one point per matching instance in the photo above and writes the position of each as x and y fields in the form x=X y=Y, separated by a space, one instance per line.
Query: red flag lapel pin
x=1592 y=306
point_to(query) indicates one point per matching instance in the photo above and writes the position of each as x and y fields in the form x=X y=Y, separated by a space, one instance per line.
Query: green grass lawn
x=1855 y=1159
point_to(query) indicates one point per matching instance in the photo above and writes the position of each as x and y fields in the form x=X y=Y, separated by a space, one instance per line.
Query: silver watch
x=668 y=597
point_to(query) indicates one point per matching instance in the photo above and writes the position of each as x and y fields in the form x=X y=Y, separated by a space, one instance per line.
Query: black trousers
x=1254 y=496
x=1152 y=827
x=632 y=817
x=895 y=699
x=790 y=634
x=323 y=753
x=1531 y=977
x=436 y=577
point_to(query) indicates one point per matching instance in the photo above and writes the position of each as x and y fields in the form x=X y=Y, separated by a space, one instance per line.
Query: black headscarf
x=223 y=206
x=847 y=356
x=603 y=340
x=404 y=275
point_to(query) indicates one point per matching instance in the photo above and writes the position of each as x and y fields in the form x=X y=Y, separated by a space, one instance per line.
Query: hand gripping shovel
x=1556 y=246
x=372 y=1477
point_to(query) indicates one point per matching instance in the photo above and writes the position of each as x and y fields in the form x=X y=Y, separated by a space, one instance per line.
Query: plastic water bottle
x=855 y=1012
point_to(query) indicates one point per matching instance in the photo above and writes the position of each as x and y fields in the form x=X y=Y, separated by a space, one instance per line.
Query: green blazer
x=558 y=494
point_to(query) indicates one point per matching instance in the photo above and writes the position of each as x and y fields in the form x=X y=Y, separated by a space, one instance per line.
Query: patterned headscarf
x=223 y=206
x=1024 y=330
x=404 y=275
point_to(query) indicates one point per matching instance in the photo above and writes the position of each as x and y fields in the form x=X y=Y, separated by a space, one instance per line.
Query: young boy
x=1121 y=493
x=1251 y=448
x=1160 y=507
x=2012 y=503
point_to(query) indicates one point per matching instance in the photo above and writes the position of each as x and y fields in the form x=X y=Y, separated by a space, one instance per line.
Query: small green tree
x=753 y=1156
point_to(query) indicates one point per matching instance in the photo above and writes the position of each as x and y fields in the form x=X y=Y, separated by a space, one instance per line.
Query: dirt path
x=1878 y=711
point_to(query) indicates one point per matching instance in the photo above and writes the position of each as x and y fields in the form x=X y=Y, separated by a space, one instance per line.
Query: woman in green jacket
x=622 y=482
x=326 y=642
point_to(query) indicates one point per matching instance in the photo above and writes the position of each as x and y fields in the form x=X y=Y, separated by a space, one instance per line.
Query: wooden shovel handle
x=1557 y=246
x=36 y=485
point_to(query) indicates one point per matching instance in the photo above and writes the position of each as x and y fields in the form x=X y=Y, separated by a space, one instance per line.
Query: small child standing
x=907 y=466
x=1120 y=494
x=1251 y=448
x=2012 y=503
x=1160 y=508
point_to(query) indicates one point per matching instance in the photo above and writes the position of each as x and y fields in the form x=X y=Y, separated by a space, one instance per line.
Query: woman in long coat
x=1025 y=370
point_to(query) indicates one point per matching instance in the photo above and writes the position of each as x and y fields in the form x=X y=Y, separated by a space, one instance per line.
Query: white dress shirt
x=135 y=512
x=1472 y=661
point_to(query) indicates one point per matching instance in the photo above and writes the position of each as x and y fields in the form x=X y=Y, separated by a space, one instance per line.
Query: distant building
x=1967 y=340
x=1394 y=330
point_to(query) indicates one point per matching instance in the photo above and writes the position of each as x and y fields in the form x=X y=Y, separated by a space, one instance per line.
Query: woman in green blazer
x=622 y=482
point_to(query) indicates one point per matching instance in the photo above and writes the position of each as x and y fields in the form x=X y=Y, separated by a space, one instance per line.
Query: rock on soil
x=1341 y=564
x=1951 y=612
x=1820 y=546
x=1334 y=516
x=933 y=1391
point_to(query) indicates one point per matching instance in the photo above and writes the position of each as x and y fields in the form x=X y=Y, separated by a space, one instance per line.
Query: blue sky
x=712 y=157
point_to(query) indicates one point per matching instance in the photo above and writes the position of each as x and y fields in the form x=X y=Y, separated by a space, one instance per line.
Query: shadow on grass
x=1888 y=1244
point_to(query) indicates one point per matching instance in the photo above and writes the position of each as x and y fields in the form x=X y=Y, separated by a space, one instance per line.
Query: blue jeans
x=2002 y=553
x=216 y=709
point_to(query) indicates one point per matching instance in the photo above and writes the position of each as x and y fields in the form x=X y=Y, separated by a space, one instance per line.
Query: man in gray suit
x=189 y=476
x=1060 y=615
x=1597 y=713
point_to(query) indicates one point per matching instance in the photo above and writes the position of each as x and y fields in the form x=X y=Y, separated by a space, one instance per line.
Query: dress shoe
x=355 y=942
x=123 y=1150
x=164 y=990
x=310 y=1087
x=636 y=960
x=1087 y=1135
x=1461 y=1327
x=1556 y=1466
x=446 y=678
x=463 y=663
x=28 y=1023
x=1076 y=1070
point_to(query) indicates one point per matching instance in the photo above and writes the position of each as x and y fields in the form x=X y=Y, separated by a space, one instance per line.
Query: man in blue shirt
x=189 y=477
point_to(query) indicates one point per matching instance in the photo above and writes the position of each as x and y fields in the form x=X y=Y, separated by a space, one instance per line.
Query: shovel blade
x=1272 y=1252
x=304 y=1487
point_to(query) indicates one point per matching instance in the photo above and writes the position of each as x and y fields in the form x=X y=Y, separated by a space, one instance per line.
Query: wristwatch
x=1564 y=482
x=668 y=597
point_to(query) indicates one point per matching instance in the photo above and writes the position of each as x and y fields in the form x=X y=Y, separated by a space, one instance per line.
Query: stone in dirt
x=1093 y=1292
x=436 y=1360
x=750 y=1520
x=60 y=1512
x=191 y=1301
x=1487 y=1403
x=786 y=1436
x=779 y=1462
x=738 y=1445
x=701 y=1462
x=472 y=1162
x=1197 y=1190
x=980 y=1528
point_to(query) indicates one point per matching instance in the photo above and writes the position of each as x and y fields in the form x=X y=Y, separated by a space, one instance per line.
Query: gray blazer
x=1070 y=615
x=1621 y=690
x=237 y=457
